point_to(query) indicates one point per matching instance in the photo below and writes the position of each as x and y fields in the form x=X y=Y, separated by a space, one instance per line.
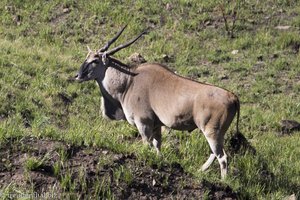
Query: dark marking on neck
x=120 y=66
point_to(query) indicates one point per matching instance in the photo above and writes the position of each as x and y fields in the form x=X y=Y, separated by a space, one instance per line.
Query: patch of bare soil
x=97 y=171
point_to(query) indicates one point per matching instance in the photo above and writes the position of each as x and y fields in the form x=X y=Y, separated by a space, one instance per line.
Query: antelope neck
x=118 y=65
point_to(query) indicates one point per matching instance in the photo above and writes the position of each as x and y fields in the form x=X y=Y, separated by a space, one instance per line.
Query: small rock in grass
x=223 y=77
x=165 y=58
x=105 y=152
x=153 y=182
x=208 y=23
x=9 y=8
x=282 y=27
x=291 y=197
x=169 y=6
x=66 y=10
x=234 y=52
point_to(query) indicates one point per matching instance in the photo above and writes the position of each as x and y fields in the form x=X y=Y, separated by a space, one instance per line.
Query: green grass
x=42 y=45
x=32 y=164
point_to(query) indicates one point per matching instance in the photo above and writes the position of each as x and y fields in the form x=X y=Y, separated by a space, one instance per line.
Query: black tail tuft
x=238 y=115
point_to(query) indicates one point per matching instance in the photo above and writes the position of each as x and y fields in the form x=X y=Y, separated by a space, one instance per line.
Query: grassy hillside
x=53 y=138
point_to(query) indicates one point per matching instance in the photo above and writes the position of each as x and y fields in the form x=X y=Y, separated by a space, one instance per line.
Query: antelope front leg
x=150 y=135
x=156 y=140
x=145 y=130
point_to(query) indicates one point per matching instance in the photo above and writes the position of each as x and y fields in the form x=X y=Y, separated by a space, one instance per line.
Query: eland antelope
x=149 y=96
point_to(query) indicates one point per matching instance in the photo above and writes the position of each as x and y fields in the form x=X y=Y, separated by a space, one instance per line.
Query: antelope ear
x=89 y=49
x=104 y=58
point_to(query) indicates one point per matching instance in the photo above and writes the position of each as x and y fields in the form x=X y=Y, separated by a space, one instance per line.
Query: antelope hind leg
x=209 y=161
x=215 y=140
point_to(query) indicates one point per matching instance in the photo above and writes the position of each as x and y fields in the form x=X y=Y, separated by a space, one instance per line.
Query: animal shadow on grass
x=238 y=144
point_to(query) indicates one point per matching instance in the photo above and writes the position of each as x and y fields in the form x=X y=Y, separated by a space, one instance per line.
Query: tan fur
x=150 y=96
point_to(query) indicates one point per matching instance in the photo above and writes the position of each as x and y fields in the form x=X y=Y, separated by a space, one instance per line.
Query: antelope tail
x=238 y=115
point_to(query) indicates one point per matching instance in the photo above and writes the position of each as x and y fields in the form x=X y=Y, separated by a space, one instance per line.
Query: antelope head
x=97 y=61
